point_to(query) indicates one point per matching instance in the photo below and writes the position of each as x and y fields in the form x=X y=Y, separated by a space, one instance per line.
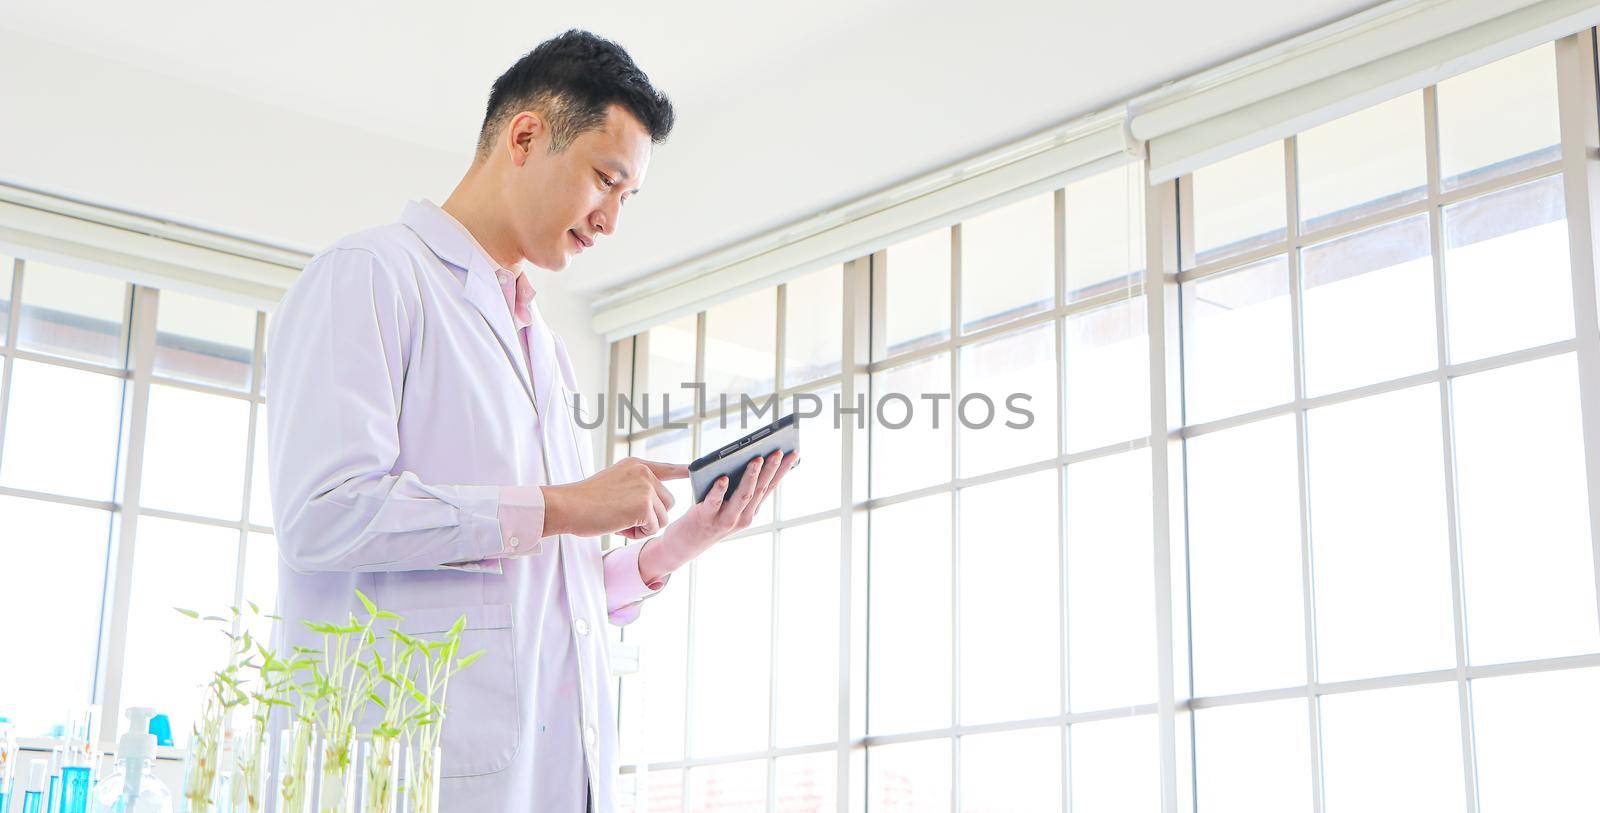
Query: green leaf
x=372 y=609
x=190 y=613
x=461 y=624
x=468 y=660
x=388 y=616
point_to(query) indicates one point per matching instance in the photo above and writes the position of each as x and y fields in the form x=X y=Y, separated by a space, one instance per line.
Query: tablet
x=780 y=435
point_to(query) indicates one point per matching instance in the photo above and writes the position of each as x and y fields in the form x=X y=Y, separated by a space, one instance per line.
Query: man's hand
x=626 y=497
x=715 y=517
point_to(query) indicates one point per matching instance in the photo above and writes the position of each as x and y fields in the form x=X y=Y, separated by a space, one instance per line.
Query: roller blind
x=1050 y=160
x=1384 y=52
x=144 y=250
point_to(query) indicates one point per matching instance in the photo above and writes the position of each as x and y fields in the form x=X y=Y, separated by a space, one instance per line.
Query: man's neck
x=475 y=209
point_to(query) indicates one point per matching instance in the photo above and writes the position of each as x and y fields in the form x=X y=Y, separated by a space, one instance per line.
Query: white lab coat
x=400 y=403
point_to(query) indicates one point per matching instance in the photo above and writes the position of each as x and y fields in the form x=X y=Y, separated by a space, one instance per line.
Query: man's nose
x=604 y=220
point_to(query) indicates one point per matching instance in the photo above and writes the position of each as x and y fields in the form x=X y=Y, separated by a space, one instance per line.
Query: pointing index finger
x=667 y=471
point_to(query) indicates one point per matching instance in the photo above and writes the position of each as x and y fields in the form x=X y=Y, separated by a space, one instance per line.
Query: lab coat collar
x=447 y=238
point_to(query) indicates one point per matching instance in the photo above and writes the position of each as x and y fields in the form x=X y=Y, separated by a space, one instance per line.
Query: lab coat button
x=513 y=541
x=581 y=626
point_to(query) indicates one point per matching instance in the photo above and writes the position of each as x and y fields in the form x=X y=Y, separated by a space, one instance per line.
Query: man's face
x=562 y=202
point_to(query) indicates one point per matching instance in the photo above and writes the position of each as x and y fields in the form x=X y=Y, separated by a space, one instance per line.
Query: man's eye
x=607 y=181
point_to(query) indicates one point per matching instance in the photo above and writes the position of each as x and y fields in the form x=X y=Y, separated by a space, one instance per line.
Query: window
x=1390 y=551
x=132 y=481
x=958 y=522
x=1377 y=522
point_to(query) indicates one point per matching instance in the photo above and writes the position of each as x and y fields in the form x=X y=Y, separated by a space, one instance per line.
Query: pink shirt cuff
x=521 y=514
x=625 y=588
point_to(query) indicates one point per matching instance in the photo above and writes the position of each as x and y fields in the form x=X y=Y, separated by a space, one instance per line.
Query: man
x=423 y=446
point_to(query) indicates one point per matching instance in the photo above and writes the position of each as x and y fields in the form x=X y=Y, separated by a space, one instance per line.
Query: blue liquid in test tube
x=75 y=789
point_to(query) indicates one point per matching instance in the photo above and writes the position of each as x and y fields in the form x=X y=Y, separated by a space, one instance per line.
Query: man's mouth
x=583 y=242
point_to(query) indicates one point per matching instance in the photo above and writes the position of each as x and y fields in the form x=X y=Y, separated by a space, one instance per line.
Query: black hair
x=572 y=80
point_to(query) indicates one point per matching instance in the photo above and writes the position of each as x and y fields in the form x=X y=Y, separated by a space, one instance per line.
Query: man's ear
x=524 y=133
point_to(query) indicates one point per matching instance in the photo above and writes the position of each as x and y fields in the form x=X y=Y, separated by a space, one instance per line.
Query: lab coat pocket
x=483 y=720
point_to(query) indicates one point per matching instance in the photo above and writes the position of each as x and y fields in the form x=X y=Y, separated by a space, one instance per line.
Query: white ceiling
x=783 y=109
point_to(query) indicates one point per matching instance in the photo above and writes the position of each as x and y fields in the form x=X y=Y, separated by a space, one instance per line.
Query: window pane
x=672 y=446
x=1508 y=278
x=1007 y=383
x=72 y=314
x=668 y=365
x=1392 y=750
x=917 y=308
x=1238 y=351
x=1238 y=203
x=1008 y=266
x=1254 y=758
x=1105 y=232
x=1363 y=163
x=1499 y=118
x=1245 y=598
x=816 y=487
x=807 y=783
x=50 y=589
x=1108 y=376
x=1536 y=740
x=663 y=791
x=808 y=634
x=260 y=482
x=61 y=431
x=170 y=657
x=261 y=582
x=7 y=265
x=204 y=340
x=917 y=453
x=813 y=326
x=1381 y=556
x=732 y=636
x=194 y=452
x=1012 y=771
x=1110 y=583
x=738 y=787
x=910 y=616
x=912 y=777
x=741 y=346
x=1115 y=766
x=1524 y=522
x=1369 y=307
x=1010 y=570
x=651 y=708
